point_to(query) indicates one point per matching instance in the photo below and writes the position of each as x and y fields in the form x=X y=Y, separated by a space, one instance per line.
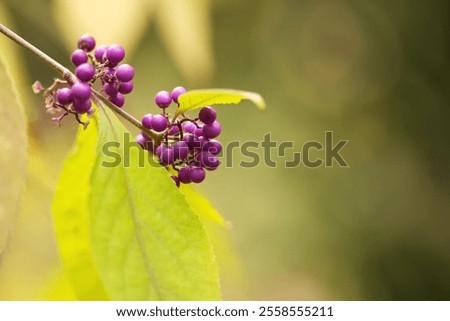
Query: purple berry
x=176 y=92
x=163 y=99
x=86 y=43
x=82 y=106
x=183 y=175
x=174 y=130
x=176 y=180
x=198 y=131
x=213 y=146
x=167 y=156
x=159 y=149
x=213 y=130
x=197 y=174
x=64 y=96
x=159 y=123
x=192 y=141
x=125 y=87
x=115 y=53
x=110 y=89
x=125 y=73
x=203 y=141
x=85 y=72
x=81 y=91
x=141 y=140
x=213 y=165
x=99 y=53
x=207 y=115
x=207 y=160
x=79 y=57
x=147 y=121
x=149 y=146
x=188 y=127
x=118 y=100
x=181 y=150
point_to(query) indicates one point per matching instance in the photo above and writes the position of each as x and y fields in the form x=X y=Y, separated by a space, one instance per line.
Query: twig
x=47 y=59
x=71 y=78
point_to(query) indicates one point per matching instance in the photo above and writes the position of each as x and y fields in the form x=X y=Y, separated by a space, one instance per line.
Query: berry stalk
x=71 y=78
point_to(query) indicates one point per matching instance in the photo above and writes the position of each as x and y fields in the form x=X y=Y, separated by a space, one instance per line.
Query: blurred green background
x=374 y=72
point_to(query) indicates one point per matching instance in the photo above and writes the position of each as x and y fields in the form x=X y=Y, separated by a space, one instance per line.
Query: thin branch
x=47 y=59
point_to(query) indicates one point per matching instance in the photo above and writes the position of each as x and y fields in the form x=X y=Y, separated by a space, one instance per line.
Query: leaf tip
x=258 y=101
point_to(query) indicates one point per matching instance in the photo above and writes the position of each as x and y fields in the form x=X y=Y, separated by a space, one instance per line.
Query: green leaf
x=204 y=97
x=147 y=242
x=13 y=153
x=201 y=205
x=71 y=217
x=13 y=60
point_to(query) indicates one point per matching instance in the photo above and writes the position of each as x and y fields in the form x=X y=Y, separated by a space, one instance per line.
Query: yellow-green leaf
x=147 y=242
x=201 y=205
x=58 y=288
x=204 y=97
x=13 y=153
x=71 y=217
x=17 y=69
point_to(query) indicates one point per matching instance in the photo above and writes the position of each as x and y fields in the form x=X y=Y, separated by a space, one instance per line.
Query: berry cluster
x=71 y=97
x=185 y=146
x=188 y=146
